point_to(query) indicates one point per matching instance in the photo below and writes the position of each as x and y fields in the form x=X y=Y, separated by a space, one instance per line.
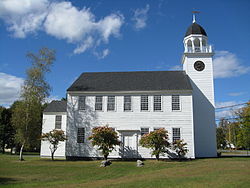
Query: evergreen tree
x=6 y=129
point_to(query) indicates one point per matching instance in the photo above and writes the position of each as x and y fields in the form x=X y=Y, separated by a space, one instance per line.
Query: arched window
x=204 y=45
x=204 y=42
x=197 y=45
x=189 y=46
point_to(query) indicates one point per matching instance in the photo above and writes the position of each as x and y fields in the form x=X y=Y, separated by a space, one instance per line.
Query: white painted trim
x=129 y=92
x=54 y=113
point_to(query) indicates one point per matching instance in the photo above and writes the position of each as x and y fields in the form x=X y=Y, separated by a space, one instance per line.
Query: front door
x=130 y=145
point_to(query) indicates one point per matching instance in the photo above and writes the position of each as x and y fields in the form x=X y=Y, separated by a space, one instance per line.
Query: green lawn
x=35 y=172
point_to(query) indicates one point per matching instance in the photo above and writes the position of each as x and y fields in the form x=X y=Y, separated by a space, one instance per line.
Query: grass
x=36 y=172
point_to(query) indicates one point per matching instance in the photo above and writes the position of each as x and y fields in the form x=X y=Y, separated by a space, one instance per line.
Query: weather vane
x=195 y=12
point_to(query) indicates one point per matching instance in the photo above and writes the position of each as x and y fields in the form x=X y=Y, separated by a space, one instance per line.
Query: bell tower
x=197 y=59
x=198 y=65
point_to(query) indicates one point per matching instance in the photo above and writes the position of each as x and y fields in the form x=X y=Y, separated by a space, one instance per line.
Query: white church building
x=135 y=103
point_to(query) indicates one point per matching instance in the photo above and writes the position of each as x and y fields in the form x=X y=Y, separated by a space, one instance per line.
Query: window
x=127 y=103
x=157 y=103
x=144 y=131
x=175 y=102
x=176 y=134
x=111 y=103
x=82 y=103
x=58 y=122
x=144 y=102
x=80 y=135
x=98 y=103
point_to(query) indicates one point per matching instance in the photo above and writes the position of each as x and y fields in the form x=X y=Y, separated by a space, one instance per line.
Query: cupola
x=196 y=40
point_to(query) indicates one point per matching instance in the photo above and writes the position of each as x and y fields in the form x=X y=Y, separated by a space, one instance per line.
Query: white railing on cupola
x=202 y=49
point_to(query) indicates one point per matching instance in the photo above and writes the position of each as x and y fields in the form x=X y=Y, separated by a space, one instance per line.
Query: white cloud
x=52 y=98
x=235 y=94
x=176 y=67
x=65 y=21
x=223 y=104
x=88 y=43
x=10 y=87
x=140 y=17
x=229 y=111
x=227 y=65
x=110 y=25
x=61 y=20
x=23 y=16
x=103 y=54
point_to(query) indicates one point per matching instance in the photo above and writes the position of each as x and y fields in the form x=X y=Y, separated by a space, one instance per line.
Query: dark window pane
x=111 y=103
x=127 y=103
x=98 y=103
x=157 y=103
x=144 y=131
x=82 y=103
x=58 y=122
x=144 y=102
x=80 y=135
x=176 y=134
x=175 y=102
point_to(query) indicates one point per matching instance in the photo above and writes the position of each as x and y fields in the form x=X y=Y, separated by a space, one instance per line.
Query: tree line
x=21 y=124
x=235 y=134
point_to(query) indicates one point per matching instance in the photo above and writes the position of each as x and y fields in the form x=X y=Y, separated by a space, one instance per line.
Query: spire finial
x=193 y=18
x=194 y=12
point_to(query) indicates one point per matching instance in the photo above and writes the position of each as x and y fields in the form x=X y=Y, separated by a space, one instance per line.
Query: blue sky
x=118 y=35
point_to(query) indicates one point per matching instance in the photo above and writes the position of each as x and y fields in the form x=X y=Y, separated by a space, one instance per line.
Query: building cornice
x=130 y=92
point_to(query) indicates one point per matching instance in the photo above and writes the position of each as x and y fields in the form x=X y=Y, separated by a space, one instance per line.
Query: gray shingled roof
x=56 y=106
x=132 y=81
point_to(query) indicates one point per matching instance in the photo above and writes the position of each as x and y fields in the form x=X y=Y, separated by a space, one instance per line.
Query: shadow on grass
x=234 y=156
x=4 y=181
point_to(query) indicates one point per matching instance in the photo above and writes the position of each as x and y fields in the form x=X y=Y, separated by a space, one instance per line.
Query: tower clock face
x=199 y=66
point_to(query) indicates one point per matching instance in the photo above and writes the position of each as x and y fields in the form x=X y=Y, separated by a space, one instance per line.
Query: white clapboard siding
x=49 y=125
x=203 y=104
x=133 y=120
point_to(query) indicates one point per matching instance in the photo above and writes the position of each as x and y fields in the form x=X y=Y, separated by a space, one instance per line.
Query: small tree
x=180 y=148
x=27 y=113
x=157 y=141
x=54 y=137
x=105 y=138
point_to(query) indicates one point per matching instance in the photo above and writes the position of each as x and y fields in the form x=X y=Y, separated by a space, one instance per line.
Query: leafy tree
x=157 y=141
x=233 y=131
x=221 y=138
x=54 y=137
x=105 y=138
x=6 y=129
x=244 y=121
x=180 y=148
x=27 y=113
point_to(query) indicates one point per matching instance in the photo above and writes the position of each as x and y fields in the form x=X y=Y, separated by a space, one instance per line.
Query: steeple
x=197 y=59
